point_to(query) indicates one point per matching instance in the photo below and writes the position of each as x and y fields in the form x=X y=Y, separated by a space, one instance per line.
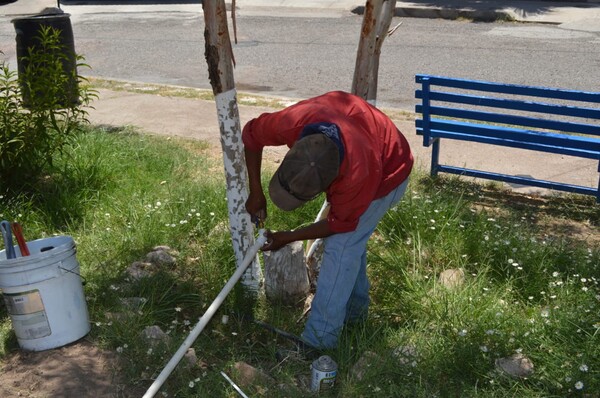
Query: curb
x=449 y=13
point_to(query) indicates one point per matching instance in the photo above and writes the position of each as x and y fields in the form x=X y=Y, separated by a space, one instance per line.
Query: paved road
x=300 y=56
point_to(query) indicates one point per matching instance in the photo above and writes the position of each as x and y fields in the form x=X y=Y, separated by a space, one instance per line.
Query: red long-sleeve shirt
x=377 y=156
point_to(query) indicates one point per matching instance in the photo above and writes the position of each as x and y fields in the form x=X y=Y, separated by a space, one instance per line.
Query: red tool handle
x=18 y=231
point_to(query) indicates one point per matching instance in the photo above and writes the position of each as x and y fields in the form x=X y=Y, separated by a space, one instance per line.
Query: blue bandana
x=330 y=130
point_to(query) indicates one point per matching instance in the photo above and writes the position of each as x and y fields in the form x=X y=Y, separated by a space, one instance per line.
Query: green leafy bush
x=37 y=125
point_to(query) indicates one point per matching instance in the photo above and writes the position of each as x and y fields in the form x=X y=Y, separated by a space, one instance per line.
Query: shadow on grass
x=578 y=208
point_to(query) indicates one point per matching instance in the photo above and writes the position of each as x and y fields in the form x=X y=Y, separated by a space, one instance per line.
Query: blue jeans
x=343 y=287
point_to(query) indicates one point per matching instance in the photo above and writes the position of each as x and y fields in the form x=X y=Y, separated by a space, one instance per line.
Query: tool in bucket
x=18 y=231
x=8 y=242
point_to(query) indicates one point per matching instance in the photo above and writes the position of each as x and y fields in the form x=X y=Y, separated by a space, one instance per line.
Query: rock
x=368 y=360
x=190 y=359
x=407 y=355
x=133 y=303
x=452 y=278
x=517 y=365
x=155 y=335
x=160 y=258
x=303 y=383
x=139 y=270
x=248 y=375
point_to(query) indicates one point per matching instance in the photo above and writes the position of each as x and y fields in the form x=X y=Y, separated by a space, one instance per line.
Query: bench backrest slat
x=571 y=95
x=503 y=103
x=517 y=134
x=517 y=144
x=508 y=119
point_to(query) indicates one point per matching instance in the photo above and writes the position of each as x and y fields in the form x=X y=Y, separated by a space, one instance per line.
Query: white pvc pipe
x=321 y=215
x=187 y=343
x=313 y=248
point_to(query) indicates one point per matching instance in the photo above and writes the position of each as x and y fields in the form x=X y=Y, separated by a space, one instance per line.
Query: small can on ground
x=324 y=371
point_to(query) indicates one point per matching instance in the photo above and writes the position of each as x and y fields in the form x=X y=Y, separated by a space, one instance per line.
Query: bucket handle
x=83 y=280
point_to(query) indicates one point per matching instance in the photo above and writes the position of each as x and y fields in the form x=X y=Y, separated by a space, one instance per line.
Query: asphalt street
x=300 y=56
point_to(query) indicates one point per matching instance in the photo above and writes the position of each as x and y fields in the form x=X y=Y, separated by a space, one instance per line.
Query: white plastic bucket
x=44 y=294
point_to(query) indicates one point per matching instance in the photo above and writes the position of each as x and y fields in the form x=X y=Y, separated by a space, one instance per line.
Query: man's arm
x=276 y=240
x=256 y=204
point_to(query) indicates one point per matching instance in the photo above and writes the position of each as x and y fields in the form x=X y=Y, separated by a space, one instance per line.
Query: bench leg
x=598 y=191
x=435 y=157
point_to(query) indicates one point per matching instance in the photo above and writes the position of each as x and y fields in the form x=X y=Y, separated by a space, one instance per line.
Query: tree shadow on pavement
x=529 y=7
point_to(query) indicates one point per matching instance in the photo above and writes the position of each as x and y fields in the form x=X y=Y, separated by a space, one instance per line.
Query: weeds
x=524 y=291
x=40 y=110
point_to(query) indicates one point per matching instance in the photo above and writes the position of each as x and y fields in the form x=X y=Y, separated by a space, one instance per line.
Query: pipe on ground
x=187 y=343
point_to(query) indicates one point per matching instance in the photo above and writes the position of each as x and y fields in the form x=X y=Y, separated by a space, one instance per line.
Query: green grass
x=528 y=288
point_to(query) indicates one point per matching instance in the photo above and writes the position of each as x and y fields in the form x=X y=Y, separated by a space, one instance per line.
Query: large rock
x=247 y=375
x=517 y=365
x=154 y=335
x=161 y=256
x=367 y=361
x=452 y=278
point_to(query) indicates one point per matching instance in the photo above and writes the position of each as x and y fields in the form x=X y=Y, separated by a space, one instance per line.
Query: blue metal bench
x=536 y=118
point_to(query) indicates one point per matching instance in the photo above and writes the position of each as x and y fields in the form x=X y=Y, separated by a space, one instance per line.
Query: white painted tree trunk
x=235 y=176
x=219 y=57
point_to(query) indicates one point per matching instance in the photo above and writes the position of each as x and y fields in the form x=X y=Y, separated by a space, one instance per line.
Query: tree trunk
x=376 y=22
x=286 y=276
x=219 y=57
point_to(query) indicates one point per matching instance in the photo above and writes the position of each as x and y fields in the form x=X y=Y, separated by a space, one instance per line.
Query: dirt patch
x=78 y=370
x=578 y=231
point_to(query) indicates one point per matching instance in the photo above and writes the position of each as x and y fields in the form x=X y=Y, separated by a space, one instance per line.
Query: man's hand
x=256 y=206
x=276 y=240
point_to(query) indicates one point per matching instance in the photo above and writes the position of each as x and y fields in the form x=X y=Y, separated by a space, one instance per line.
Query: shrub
x=34 y=127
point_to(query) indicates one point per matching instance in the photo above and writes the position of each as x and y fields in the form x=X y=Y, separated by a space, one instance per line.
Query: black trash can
x=28 y=30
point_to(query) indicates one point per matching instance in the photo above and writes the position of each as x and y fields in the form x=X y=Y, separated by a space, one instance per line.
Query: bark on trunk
x=219 y=57
x=376 y=23
x=286 y=276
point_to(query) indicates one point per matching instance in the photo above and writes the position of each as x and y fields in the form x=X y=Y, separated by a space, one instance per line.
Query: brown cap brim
x=282 y=198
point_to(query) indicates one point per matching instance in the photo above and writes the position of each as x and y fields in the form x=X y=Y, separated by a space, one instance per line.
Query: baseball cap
x=308 y=168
